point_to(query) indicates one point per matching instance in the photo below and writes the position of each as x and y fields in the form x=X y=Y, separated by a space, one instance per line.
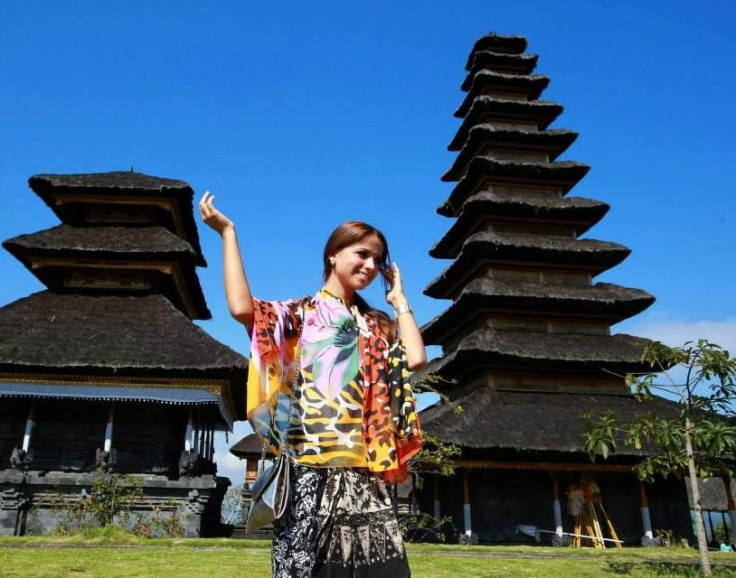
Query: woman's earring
x=333 y=261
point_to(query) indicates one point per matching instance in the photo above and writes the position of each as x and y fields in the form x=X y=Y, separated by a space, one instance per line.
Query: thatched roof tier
x=483 y=172
x=496 y=43
x=487 y=82
x=249 y=447
x=526 y=421
x=146 y=337
x=102 y=242
x=121 y=198
x=117 y=180
x=136 y=260
x=487 y=137
x=491 y=207
x=498 y=62
x=524 y=251
x=488 y=350
x=505 y=114
x=486 y=297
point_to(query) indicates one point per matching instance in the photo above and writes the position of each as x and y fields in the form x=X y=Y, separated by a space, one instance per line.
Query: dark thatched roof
x=561 y=176
x=545 y=422
x=496 y=43
x=601 y=301
x=102 y=242
x=504 y=113
x=249 y=447
x=67 y=194
x=487 y=206
x=536 y=251
x=115 y=180
x=118 y=333
x=74 y=247
x=486 y=349
x=498 y=62
x=510 y=141
x=500 y=84
x=121 y=336
x=713 y=496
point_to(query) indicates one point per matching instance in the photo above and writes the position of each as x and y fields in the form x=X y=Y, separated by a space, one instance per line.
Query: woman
x=350 y=425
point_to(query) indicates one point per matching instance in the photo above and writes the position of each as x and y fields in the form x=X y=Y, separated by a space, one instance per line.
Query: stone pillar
x=22 y=456
x=556 y=506
x=206 y=449
x=108 y=429
x=212 y=443
x=200 y=433
x=466 y=503
x=106 y=458
x=30 y=424
x=189 y=435
x=646 y=520
x=726 y=531
x=712 y=529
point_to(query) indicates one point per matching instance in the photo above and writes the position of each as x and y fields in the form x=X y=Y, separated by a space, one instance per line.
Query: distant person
x=351 y=425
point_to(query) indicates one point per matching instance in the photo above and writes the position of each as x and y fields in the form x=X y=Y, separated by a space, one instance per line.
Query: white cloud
x=675 y=332
x=231 y=467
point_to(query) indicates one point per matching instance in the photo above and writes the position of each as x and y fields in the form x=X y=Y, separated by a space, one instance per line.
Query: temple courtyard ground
x=120 y=555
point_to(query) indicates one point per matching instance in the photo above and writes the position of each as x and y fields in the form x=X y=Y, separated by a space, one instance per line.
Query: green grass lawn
x=116 y=554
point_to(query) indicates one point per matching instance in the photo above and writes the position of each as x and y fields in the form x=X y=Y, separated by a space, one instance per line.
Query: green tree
x=435 y=456
x=700 y=440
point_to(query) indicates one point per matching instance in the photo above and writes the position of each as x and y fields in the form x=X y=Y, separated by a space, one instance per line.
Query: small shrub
x=665 y=537
x=421 y=527
x=111 y=496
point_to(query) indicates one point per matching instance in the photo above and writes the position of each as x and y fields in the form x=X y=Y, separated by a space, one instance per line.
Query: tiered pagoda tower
x=527 y=343
x=106 y=369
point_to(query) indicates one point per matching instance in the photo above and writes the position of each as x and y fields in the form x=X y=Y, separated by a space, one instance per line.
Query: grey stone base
x=560 y=541
x=30 y=503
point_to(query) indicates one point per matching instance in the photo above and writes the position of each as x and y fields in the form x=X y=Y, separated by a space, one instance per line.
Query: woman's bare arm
x=237 y=290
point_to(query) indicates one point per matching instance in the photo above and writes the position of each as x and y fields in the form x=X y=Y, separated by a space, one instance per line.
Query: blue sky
x=299 y=116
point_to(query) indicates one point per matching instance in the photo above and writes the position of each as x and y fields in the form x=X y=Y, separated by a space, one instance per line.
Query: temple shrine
x=105 y=369
x=526 y=337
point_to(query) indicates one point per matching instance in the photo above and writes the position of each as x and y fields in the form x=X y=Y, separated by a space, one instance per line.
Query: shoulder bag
x=271 y=489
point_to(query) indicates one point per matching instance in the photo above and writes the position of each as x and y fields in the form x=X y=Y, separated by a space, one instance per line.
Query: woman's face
x=357 y=265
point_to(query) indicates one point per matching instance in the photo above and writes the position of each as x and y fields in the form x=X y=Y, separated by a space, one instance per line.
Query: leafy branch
x=699 y=439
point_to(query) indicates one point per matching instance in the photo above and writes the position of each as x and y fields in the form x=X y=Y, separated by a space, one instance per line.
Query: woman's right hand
x=237 y=291
x=211 y=216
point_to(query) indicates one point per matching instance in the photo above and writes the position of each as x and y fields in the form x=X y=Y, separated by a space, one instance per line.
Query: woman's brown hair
x=347 y=234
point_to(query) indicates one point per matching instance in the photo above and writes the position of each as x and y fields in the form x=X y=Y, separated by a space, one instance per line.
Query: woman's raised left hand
x=395 y=295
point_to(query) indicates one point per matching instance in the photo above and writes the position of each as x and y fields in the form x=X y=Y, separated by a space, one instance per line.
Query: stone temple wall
x=31 y=504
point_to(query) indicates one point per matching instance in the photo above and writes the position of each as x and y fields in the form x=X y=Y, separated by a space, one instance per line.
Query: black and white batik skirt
x=340 y=523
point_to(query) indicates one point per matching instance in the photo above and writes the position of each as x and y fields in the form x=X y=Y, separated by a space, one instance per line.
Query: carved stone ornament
x=20 y=459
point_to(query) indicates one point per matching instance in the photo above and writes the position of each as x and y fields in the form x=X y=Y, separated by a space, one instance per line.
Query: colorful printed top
x=354 y=406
